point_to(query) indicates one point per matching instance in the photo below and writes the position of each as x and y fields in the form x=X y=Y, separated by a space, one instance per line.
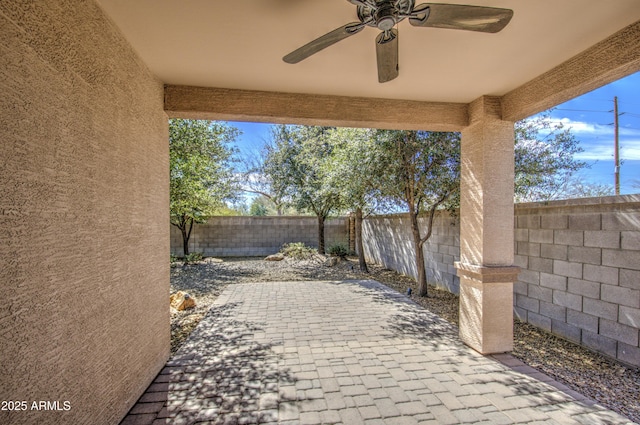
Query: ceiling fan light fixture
x=386 y=17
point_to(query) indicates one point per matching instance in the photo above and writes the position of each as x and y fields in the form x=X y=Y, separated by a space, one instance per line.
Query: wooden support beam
x=289 y=108
x=603 y=63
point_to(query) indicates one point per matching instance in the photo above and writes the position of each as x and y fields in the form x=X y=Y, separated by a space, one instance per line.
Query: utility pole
x=616 y=156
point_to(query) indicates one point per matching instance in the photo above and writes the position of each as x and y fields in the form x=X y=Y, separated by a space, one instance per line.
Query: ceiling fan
x=385 y=14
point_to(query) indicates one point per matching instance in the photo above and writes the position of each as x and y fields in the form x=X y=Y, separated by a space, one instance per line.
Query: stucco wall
x=257 y=236
x=580 y=263
x=83 y=215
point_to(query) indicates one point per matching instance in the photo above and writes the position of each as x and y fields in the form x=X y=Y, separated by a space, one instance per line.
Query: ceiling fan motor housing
x=385 y=14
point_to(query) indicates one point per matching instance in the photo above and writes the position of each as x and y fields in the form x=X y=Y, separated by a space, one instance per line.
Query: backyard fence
x=258 y=236
x=580 y=262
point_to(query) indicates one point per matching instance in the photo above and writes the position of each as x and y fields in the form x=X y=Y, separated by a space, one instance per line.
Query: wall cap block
x=487 y=274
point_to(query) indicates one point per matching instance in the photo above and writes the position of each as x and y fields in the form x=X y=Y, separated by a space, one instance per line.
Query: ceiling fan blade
x=325 y=41
x=387 y=55
x=364 y=3
x=461 y=17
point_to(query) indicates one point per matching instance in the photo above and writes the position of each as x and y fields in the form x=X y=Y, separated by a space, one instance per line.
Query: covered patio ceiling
x=550 y=52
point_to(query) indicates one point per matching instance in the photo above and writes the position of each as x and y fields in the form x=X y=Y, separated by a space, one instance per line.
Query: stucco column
x=486 y=268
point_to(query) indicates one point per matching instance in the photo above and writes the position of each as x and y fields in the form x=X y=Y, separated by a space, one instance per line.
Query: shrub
x=338 y=250
x=193 y=257
x=298 y=250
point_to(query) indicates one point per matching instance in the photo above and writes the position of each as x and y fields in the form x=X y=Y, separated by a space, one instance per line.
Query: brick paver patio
x=349 y=352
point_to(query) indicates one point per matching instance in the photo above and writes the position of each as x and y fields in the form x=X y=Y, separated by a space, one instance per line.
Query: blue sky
x=589 y=116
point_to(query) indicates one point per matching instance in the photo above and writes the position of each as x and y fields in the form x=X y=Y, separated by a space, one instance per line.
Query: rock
x=182 y=301
x=331 y=261
x=275 y=257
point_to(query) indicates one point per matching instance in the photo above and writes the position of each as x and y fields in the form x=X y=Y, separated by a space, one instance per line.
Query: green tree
x=577 y=187
x=201 y=175
x=258 y=208
x=544 y=159
x=422 y=175
x=255 y=180
x=294 y=163
x=355 y=169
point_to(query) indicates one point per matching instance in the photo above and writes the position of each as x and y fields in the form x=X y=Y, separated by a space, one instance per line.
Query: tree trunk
x=320 y=234
x=417 y=244
x=185 y=242
x=186 y=234
x=359 y=246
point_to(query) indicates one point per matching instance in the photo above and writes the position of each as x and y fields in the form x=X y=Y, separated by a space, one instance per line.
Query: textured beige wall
x=486 y=186
x=83 y=215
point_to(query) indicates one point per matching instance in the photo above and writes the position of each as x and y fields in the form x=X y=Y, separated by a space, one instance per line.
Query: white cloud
x=629 y=149
x=594 y=129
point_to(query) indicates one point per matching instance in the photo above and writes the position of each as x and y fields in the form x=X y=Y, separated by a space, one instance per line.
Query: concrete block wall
x=84 y=195
x=580 y=262
x=258 y=236
x=580 y=274
x=388 y=241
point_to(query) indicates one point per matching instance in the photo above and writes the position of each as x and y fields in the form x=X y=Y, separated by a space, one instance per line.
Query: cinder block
x=623 y=259
x=629 y=354
x=630 y=279
x=620 y=295
x=520 y=313
x=521 y=261
x=541 y=264
x=585 y=222
x=554 y=221
x=520 y=288
x=521 y=235
x=582 y=320
x=565 y=268
x=566 y=299
x=565 y=330
x=527 y=248
x=542 y=322
x=553 y=311
x=584 y=287
x=620 y=221
x=602 y=239
x=529 y=276
x=629 y=316
x=600 y=308
x=630 y=240
x=619 y=332
x=579 y=254
x=527 y=303
x=568 y=237
x=556 y=252
x=553 y=281
x=541 y=235
x=540 y=293
x=600 y=343
x=528 y=221
x=600 y=274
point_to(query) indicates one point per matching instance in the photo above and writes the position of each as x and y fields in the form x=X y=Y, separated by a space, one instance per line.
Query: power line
x=581 y=110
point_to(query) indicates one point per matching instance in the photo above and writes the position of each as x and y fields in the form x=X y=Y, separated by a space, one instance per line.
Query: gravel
x=609 y=383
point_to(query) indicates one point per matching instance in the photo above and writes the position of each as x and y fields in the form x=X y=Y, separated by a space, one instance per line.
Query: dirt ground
x=593 y=375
